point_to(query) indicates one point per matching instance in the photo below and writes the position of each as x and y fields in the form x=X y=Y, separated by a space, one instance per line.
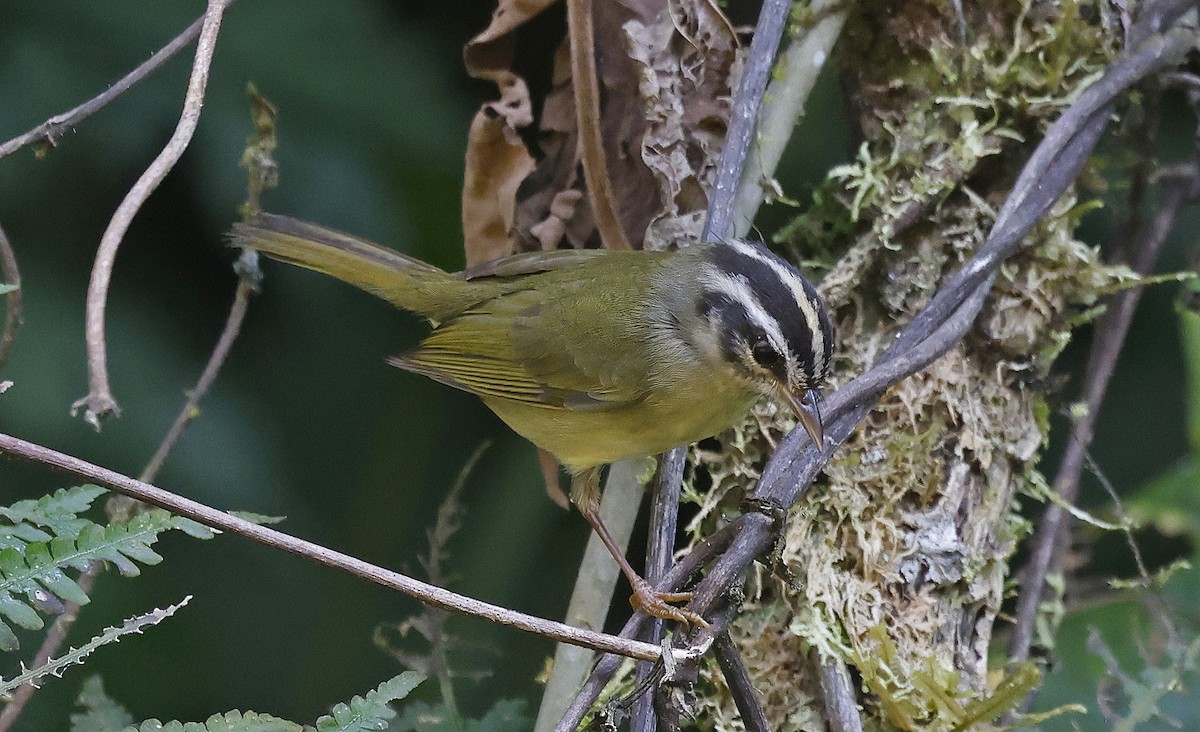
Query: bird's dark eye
x=764 y=354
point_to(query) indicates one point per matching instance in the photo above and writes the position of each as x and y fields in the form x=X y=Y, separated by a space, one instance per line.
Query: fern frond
x=228 y=722
x=101 y=713
x=57 y=512
x=56 y=666
x=367 y=713
x=35 y=571
x=370 y=712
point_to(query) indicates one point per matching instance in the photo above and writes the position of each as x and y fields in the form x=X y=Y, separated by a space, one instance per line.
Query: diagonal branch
x=99 y=401
x=427 y=593
x=53 y=129
x=741 y=687
x=660 y=548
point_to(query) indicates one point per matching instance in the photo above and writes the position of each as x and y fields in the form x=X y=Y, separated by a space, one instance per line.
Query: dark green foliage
x=228 y=722
x=32 y=580
x=100 y=712
x=57 y=512
x=370 y=712
x=367 y=713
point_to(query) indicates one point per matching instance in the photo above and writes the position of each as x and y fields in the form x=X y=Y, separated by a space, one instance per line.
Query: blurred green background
x=307 y=421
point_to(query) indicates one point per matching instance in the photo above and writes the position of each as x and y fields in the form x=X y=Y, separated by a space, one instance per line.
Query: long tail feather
x=401 y=280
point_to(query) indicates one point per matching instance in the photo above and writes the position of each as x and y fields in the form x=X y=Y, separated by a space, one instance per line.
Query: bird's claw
x=657 y=604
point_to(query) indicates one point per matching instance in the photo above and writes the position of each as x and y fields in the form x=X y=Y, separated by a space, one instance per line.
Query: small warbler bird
x=594 y=355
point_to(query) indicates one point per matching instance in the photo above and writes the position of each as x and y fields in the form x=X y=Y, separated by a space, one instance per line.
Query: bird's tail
x=405 y=282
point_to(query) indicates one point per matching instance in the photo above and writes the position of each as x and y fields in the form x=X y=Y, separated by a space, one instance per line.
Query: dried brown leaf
x=492 y=49
x=687 y=65
x=497 y=161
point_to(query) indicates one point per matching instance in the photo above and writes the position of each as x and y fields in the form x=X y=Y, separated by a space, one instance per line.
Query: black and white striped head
x=770 y=324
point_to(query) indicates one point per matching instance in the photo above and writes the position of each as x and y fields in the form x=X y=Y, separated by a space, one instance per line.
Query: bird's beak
x=811 y=419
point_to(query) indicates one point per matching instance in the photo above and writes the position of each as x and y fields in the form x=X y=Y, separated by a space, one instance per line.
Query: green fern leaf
x=371 y=712
x=58 y=512
x=21 y=534
x=74 y=656
x=35 y=571
x=101 y=713
x=229 y=722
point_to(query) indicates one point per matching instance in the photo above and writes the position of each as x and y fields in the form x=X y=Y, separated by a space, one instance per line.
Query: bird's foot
x=658 y=604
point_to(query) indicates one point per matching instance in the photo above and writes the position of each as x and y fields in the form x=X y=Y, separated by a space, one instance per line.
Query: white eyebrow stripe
x=738 y=289
x=807 y=307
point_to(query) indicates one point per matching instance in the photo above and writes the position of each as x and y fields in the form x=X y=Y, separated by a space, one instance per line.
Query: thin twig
x=587 y=120
x=1106 y=348
x=214 y=518
x=99 y=401
x=12 y=304
x=262 y=175
x=1126 y=523
x=53 y=129
x=233 y=326
x=741 y=687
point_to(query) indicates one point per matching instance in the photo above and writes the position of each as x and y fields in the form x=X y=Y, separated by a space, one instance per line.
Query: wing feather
x=524 y=347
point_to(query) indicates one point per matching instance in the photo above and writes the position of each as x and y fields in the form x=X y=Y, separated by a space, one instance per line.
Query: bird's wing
x=561 y=351
x=528 y=263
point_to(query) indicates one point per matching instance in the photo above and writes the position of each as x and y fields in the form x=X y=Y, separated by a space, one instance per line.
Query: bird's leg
x=585 y=493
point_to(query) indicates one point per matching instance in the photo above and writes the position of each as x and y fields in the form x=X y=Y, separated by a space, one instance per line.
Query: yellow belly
x=586 y=439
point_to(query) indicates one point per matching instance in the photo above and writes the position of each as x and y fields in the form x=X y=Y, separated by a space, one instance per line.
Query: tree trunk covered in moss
x=897 y=562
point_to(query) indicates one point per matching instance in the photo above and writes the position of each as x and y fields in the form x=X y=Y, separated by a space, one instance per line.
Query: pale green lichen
x=896 y=562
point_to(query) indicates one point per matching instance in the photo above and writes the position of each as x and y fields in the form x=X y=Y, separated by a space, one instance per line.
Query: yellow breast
x=665 y=419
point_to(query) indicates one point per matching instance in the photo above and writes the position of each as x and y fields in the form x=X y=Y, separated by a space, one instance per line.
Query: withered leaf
x=496 y=163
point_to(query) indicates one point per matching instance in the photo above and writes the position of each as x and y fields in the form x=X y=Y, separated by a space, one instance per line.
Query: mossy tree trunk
x=898 y=561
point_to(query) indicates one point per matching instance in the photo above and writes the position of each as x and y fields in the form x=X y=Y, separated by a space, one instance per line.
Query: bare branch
x=427 y=593
x=660 y=548
x=53 y=129
x=99 y=401
x=233 y=326
x=783 y=105
x=12 y=307
x=837 y=691
x=262 y=174
x=740 y=685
